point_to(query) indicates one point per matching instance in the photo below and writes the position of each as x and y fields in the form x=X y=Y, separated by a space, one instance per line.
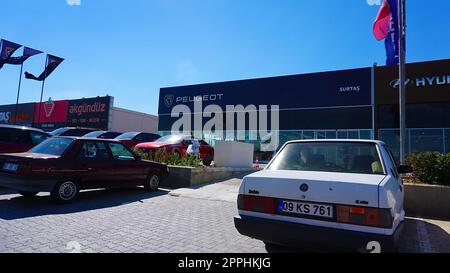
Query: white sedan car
x=325 y=193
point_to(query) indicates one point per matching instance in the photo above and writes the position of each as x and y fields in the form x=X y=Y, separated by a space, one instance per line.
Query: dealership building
x=98 y=113
x=347 y=104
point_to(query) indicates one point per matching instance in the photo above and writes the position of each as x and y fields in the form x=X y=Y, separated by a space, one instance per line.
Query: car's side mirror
x=404 y=169
x=138 y=157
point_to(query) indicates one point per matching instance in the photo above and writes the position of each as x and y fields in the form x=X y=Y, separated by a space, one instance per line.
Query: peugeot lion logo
x=168 y=100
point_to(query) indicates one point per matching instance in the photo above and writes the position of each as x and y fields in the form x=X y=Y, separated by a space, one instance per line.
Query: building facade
x=347 y=104
x=98 y=113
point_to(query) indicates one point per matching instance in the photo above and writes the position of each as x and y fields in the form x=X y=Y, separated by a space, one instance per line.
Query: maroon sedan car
x=17 y=139
x=178 y=144
x=65 y=165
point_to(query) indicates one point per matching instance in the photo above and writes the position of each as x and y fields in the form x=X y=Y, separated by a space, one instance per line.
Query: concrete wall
x=184 y=177
x=427 y=201
x=233 y=154
x=130 y=121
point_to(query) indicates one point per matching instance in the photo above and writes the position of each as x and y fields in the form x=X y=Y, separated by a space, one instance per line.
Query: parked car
x=131 y=139
x=178 y=144
x=103 y=134
x=65 y=165
x=327 y=193
x=72 y=131
x=17 y=139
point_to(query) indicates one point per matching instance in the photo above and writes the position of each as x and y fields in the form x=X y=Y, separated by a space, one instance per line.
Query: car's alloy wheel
x=65 y=191
x=152 y=182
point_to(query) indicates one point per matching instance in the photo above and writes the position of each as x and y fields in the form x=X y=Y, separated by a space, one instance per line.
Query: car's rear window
x=346 y=157
x=53 y=146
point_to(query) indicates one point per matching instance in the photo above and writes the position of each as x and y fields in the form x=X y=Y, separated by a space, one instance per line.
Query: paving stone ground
x=131 y=220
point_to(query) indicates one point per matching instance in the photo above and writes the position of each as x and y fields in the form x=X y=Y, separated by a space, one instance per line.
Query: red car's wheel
x=65 y=192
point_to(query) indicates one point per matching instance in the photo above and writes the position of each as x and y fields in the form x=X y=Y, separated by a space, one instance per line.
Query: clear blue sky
x=129 y=49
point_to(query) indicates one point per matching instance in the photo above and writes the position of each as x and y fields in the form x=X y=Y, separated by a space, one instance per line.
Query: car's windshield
x=172 y=139
x=57 y=132
x=347 y=157
x=128 y=135
x=94 y=134
x=53 y=146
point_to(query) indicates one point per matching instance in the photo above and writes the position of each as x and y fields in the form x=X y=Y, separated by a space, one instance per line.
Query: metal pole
x=18 y=94
x=402 y=73
x=42 y=93
x=372 y=94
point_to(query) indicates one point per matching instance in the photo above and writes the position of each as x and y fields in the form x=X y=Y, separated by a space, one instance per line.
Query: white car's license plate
x=10 y=167
x=302 y=208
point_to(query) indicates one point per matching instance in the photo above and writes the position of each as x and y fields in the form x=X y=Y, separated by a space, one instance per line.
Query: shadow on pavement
x=19 y=207
x=418 y=236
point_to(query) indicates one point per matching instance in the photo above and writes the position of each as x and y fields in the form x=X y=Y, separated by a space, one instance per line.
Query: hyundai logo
x=304 y=187
x=396 y=83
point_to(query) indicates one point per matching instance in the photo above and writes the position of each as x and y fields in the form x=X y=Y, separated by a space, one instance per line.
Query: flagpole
x=18 y=94
x=402 y=76
x=42 y=92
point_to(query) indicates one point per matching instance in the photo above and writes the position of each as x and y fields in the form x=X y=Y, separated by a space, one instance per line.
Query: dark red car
x=65 y=165
x=17 y=139
x=131 y=139
x=178 y=144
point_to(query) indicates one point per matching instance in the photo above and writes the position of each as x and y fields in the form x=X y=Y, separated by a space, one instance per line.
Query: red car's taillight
x=373 y=217
x=257 y=203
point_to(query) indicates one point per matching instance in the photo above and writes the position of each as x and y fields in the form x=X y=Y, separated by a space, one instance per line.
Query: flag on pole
x=52 y=64
x=386 y=27
x=7 y=49
x=27 y=53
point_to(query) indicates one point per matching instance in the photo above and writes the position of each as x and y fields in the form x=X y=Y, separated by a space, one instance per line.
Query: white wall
x=130 y=121
x=233 y=154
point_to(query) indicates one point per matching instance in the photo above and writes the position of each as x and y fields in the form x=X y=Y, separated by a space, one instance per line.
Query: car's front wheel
x=65 y=192
x=28 y=194
x=152 y=182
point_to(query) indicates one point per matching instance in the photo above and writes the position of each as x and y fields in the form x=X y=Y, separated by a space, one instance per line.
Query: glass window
x=53 y=146
x=308 y=134
x=94 y=150
x=109 y=135
x=119 y=151
x=331 y=134
x=94 y=134
x=347 y=157
x=129 y=135
x=365 y=134
x=342 y=135
x=285 y=136
x=321 y=135
x=37 y=138
x=57 y=132
x=353 y=134
x=172 y=139
x=427 y=140
x=147 y=137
